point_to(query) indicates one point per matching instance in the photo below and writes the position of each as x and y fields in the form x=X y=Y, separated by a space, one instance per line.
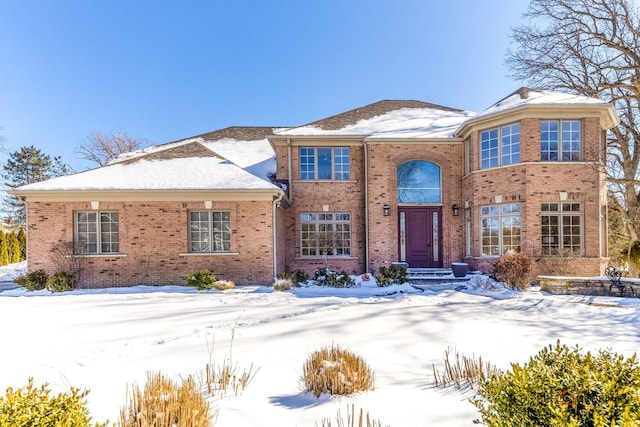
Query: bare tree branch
x=591 y=48
x=102 y=148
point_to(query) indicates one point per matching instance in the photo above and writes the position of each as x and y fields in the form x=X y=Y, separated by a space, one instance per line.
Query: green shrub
x=202 y=280
x=297 y=277
x=562 y=387
x=61 y=281
x=163 y=403
x=514 y=270
x=394 y=275
x=31 y=406
x=334 y=370
x=33 y=281
x=328 y=277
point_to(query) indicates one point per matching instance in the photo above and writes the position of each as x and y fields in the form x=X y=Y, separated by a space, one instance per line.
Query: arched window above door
x=419 y=182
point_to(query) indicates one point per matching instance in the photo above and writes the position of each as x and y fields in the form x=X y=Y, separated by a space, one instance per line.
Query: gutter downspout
x=274 y=227
x=289 y=178
x=366 y=204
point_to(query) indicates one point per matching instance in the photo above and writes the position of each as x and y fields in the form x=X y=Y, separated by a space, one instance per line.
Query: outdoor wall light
x=456 y=209
x=386 y=210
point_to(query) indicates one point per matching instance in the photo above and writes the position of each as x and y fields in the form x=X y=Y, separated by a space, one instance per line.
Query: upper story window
x=419 y=182
x=324 y=163
x=97 y=232
x=500 y=228
x=560 y=140
x=500 y=146
x=209 y=231
x=325 y=234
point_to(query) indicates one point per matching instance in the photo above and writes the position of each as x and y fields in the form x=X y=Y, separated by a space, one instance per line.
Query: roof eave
x=608 y=115
x=148 y=195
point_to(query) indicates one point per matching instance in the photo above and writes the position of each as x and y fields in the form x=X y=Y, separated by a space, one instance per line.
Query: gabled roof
x=387 y=119
x=189 y=166
x=242 y=160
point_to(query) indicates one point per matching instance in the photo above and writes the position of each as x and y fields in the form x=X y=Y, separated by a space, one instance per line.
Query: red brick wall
x=383 y=231
x=154 y=243
x=535 y=182
x=338 y=196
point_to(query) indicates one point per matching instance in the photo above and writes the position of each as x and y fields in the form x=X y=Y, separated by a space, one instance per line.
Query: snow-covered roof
x=388 y=119
x=242 y=158
x=187 y=173
x=525 y=96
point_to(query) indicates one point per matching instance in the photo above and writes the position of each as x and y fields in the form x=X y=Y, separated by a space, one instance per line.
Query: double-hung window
x=561 y=228
x=560 y=140
x=500 y=228
x=324 y=163
x=500 y=146
x=325 y=234
x=97 y=232
x=209 y=231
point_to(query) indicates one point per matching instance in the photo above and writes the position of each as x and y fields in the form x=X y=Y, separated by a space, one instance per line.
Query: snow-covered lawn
x=105 y=340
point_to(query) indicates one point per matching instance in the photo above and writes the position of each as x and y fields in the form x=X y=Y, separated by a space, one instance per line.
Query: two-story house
x=394 y=181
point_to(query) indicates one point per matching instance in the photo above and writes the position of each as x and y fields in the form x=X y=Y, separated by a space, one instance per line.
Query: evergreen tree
x=14 y=248
x=4 y=249
x=22 y=238
x=26 y=166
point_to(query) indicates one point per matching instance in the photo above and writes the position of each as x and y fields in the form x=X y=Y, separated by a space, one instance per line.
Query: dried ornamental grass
x=282 y=284
x=351 y=420
x=163 y=403
x=463 y=371
x=334 y=370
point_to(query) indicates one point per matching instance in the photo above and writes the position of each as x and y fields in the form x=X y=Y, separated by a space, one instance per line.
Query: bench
x=615 y=278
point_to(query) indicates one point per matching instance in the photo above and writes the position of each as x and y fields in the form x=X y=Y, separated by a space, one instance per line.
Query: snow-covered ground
x=105 y=340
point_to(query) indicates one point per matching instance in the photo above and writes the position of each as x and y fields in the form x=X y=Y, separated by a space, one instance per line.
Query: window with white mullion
x=560 y=140
x=500 y=146
x=97 y=232
x=325 y=234
x=325 y=163
x=562 y=229
x=500 y=227
x=209 y=231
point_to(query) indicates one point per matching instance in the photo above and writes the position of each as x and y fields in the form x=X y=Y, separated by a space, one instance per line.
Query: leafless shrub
x=514 y=269
x=70 y=258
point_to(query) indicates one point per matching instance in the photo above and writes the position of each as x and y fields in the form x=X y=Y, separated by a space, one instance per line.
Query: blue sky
x=166 y=70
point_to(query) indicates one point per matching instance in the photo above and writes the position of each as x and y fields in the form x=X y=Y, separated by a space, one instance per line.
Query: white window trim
x=500 y=130
x=76 y=232
x=500 y=216
x=333 y=164
x=211 y=232
x=560 y=213
x=560 y=151
x=316 y=222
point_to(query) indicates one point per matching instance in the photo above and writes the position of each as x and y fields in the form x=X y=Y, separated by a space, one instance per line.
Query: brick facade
x=153 y=239
x=154 y=243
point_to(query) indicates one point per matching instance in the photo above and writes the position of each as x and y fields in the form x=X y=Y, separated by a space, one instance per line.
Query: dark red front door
x=420 y=241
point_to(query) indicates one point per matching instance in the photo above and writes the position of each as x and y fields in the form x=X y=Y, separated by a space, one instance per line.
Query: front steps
x=434 y=276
